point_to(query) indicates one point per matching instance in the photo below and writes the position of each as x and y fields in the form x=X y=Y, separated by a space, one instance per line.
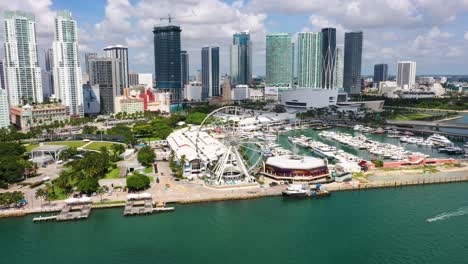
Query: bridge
x=427 y=124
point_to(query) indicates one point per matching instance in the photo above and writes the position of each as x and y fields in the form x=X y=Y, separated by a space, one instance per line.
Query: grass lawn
x=96 y=145
x=148 y=139
x=31 y=146
x=113 y=174
x=148 y=169
x=72 y=144
x=408 y=117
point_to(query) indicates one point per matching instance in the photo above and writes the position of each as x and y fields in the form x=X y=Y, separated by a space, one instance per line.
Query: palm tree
x=100 y=191
x=118 y=149
x=40 y=193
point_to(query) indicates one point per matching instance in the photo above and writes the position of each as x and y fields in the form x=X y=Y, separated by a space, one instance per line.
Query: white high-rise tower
x=67 y=71
x=406 y=74
x=22 y=71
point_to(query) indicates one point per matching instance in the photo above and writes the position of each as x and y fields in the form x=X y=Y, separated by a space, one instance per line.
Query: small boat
x=296 y=190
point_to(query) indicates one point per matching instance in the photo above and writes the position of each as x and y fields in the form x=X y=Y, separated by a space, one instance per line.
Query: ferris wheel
x=241 y=155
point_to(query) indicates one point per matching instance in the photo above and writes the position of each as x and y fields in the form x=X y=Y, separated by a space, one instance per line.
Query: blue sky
x=431 y=32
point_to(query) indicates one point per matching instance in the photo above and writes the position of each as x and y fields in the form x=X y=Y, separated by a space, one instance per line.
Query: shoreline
x=334 y=187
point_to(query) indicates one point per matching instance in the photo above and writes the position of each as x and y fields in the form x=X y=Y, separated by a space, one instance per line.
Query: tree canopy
x=138 y=182
x=146 y=156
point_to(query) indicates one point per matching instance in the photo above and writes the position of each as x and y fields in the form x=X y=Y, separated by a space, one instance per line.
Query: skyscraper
x=167 y=61
x=66 y=64
x=338 y=74
x=105 y=72
x=406 y=74
x=279 y=59
x=241 y=58
x=87 y=56
x=309 y=59
x=184 y=56
x=328 y=57
x=22 y=71
x=121 y=53
x=133 y=79
x=352 y=62
x=380 y=73
x=4 y=109
x=2 y=76
x=48 y=74
x=210 y=72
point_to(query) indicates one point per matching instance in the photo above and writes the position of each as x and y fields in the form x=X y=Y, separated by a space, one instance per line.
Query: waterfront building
x=406 y=74
x=27 y=117
x=296 y=168
x=328 y=57
x=309 y=59
x=241 y=59
x=380 y=74
x=210 y=72
x=4 y=109
x=22 y=71
x=339 y=68
x=352 y=62
x=91 y=99
x=168 y=60
x=105 y=73
x=308 y=98
x=66 y=64
x=279 y=60
x=184 y=65
x=120 y=53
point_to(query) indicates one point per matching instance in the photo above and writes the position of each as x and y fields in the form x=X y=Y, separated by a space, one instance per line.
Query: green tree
x=88 y=185
x=117 y=149
x=100 y=191
x=89 y=130
x=195 y=118
x=11 y=169
x=138 y=182
x=146 y=156
x=40 y=194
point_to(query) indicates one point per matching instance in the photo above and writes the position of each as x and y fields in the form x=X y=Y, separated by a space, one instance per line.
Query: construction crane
x=169 y=17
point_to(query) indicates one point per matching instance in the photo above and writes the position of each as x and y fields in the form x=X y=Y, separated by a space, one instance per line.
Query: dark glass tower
x=185 y=67
x=210 y=72
x=167 y=61
x=328 y=57
x=380 y=73
x=352 y=62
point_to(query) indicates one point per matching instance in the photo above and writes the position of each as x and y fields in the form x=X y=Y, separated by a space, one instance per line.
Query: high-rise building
x=145 y=79
x=4 y=109
x=338 y=74
x=133 y=79
x=167 y=61
x=87 y=56
x=105 y=72
x=380 y=74
x=121 y=53
x=91 y=99
x=328 y=57
x=241 y=58
x=279 y=60
x=184 y=64
x=22 y=71
x=352 y=62
x=48 y=74
x=2 y=76
x=210 y=72
x=66 y=64
x=406 y=74
x=309 y=59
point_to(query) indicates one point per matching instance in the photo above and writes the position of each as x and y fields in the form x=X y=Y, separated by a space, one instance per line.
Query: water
x=374 y=226
x=283 y=141
x=463 y=120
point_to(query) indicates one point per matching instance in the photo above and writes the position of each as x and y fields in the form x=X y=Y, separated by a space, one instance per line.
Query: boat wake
x=461 y=211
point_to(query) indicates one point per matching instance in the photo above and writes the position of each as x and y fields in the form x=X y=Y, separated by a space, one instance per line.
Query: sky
x=434 y=33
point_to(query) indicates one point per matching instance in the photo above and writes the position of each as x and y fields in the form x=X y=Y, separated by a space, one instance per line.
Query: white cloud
x=465 y=36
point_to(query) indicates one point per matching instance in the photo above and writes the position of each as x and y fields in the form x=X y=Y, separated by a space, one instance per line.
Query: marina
x=142 y=204
x=74 y=209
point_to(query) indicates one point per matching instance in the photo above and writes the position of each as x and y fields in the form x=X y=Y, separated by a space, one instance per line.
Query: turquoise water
x=374 y=226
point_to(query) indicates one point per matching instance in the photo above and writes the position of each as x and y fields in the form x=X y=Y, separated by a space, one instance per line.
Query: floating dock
x=74 y=209
x=142 y=204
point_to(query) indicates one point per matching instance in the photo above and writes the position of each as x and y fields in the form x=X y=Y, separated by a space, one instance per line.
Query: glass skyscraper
x=352 y=62
x=241 y=58
x=22 y=72
x=184 y=56
x=167 y=60
x=121 y=53
x=210 y=72
x=328 y=57
x=309 y=59
x=279 y=60
x=380 y=74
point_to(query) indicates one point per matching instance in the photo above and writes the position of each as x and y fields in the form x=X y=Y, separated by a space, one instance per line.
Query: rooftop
x=295 y=162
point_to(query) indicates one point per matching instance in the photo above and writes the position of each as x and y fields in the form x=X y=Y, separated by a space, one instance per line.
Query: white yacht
x=437 y=139
x=296 y=190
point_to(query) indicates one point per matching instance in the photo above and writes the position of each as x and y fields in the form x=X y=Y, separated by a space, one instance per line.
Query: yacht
x=466 y=149
x=437 y=139
x=296 y=190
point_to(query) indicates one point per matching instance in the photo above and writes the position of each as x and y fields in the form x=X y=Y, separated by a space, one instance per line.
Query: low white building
x=256 y=94
x=193 y=91
x=307 y=98
x=240 y=92
x=273 y=93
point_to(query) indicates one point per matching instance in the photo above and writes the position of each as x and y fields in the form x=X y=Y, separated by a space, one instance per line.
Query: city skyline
x=387 y=41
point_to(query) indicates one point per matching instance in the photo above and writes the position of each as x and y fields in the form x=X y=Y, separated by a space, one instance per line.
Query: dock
x=142 y=204
x=44 y=218
x=74 y=209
